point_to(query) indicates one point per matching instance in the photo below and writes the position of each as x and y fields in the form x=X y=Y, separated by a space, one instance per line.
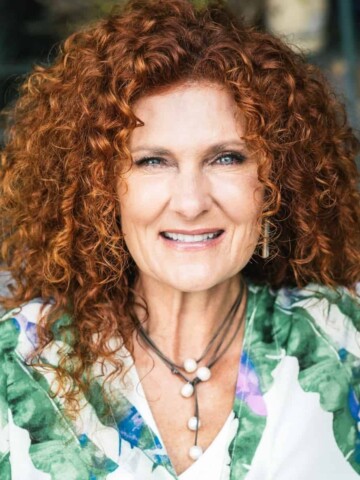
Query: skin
x=189 y=290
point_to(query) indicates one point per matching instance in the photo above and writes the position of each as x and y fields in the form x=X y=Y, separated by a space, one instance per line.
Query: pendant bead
x=187 y=390
x=194 y=423
x=195 y=452
x=190 y=365
x=203 y=374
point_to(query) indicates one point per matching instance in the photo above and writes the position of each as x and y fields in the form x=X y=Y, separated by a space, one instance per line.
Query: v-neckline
x=149 y=420
x=139 y=391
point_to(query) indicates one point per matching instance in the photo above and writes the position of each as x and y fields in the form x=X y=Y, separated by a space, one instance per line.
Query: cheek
x=141 y=201
x=241 y=198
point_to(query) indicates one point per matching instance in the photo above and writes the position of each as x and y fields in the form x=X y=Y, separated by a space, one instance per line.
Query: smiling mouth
x=187 y=238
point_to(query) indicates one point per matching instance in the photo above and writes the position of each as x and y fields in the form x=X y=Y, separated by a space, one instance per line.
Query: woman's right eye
x=149 y=162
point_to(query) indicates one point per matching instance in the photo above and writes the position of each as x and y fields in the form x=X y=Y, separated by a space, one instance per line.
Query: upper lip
x=198 y=231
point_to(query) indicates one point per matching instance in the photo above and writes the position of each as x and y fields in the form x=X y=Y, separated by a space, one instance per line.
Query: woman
x=181 y=221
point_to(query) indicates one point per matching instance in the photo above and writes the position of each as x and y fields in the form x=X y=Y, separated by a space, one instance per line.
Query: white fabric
x=210 y=464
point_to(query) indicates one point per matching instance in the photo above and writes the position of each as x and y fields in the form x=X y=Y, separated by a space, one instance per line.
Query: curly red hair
x=67 y=146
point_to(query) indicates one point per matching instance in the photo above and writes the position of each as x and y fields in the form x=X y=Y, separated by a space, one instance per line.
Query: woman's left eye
x=230 y=159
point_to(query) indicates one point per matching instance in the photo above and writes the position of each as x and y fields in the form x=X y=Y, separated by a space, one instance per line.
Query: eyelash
x=237 y=156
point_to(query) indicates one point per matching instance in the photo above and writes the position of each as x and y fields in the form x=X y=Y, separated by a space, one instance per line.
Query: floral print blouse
x=296 y=412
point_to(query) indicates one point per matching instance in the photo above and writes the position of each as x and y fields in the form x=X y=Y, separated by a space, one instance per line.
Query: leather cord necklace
x=190 y=365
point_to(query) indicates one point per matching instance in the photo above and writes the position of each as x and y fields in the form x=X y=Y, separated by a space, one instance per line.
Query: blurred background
x=326 y=30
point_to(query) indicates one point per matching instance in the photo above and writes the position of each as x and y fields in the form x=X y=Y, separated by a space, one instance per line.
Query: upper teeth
x=189 y=238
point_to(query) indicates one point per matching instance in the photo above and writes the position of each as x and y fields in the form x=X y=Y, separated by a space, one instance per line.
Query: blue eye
x=230 y=159
x=224 y=159
x=149 y=162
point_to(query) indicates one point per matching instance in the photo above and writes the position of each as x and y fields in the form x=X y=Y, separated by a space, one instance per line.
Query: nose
x=190 y=195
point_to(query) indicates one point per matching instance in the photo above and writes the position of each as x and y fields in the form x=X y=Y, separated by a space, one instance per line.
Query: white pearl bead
x=187 y=390
x=195 y=452
x=190 y=365
x=203 y=374
x=194 y=422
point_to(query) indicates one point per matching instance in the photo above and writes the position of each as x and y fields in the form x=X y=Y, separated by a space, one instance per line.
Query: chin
x=195 y=282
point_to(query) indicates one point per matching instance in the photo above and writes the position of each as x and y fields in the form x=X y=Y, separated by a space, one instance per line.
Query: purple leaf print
x=30 y=328
x=247 y=386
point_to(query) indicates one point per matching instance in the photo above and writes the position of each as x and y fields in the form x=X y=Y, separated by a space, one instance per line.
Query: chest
x=171 y=411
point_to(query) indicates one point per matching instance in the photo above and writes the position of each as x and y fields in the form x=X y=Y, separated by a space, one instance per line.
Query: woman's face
x=189 y=204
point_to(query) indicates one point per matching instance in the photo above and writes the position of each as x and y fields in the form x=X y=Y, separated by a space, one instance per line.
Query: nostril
x=190 y=200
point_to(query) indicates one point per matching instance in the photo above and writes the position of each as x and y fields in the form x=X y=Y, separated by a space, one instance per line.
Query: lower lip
x=192 y=246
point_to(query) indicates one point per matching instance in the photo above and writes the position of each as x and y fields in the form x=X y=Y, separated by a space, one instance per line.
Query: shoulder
x=333 y=314
x=19 y=327
x=315 y=310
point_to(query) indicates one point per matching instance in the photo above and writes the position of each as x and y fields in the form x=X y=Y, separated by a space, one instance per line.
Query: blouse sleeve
x=329 y=358
x=38 y=439
x=7 y=344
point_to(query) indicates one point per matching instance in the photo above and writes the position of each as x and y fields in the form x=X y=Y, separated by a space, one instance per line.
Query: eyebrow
x=211 y=150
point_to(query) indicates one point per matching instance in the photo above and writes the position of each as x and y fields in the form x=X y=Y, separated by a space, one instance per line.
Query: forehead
x=187 y=114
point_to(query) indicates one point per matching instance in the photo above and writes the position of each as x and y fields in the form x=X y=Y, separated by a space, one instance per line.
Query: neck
x=182 y=323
